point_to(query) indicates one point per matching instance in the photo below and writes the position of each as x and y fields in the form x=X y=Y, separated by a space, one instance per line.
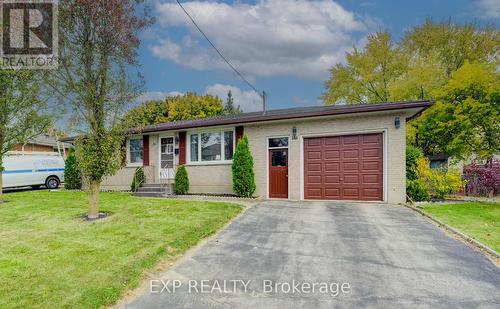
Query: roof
x=47 y=140
x=281 y=114
x=289 y=113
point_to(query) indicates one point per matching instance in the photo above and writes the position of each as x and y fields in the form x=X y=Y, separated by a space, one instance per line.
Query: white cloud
x=156 y=95
x=272 y=37
x=249 y=101
x=489 y=8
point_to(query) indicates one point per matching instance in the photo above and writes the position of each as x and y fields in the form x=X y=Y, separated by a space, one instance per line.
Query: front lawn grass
x=51 y=258
x=478 y=220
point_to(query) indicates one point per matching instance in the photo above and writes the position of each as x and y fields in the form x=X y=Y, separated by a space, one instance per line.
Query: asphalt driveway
x=355 y=255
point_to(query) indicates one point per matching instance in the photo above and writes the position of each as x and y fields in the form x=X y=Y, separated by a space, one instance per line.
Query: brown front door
x=344 y=167
x=278 y=173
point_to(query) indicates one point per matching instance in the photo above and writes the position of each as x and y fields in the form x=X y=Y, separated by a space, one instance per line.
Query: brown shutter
x=239 y=133
x=145 y=150
x=182 y=148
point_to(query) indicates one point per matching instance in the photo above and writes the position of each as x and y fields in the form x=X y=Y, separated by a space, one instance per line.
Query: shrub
x=181 y=181
x=440 y=182
x=412 y=155
x=482 y=180
x=243 y=175
x=72 y=175
x=139 y=179
x=445 y=182
x=417 y=190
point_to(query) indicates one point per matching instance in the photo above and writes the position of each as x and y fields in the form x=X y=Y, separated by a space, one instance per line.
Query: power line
x=220 y=54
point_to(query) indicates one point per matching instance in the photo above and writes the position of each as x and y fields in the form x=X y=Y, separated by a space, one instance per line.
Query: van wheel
x=52 y=182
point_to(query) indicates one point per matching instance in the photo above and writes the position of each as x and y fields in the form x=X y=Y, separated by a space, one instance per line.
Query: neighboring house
x=343 y=152
x=443 y=161
x=43 y=143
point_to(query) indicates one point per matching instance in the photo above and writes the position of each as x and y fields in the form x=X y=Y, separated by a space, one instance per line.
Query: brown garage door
x=344 y=167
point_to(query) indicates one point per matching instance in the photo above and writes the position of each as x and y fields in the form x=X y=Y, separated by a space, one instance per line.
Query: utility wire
x=219 y=52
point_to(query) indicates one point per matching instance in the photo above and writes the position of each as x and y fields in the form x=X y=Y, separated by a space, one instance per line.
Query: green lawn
x=478 y=220
x=50 y=258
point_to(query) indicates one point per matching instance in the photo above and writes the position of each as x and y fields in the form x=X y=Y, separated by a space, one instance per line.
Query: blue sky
x=284 y=47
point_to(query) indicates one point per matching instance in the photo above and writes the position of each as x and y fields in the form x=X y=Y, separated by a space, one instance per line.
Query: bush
x=181 y=181
x=139 y=179
x=412 y=155
x=482 y=180
x=444 y=182
x=439 y=182
x=243 y=175
x=417 y=190
x=72 y=175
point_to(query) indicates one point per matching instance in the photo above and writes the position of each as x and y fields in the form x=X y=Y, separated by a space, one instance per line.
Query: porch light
x=177 y=139
x=294 y=133
x=397 y=122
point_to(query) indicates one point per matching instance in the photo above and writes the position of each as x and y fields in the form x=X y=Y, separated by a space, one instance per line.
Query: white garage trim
x=385 y=159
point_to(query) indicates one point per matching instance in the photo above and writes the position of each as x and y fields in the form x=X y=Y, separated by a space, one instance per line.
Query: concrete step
x=152 y=189
x=154 y=185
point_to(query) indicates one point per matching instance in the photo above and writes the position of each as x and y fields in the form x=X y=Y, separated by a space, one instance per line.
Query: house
x=342 y=152
x=443 y=161
x=42 y=143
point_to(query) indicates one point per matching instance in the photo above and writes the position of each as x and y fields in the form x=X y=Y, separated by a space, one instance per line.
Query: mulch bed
x=102 y=216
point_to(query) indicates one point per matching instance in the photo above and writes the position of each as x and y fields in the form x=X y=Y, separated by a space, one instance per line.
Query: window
x=438 y=164
x=228 y=145
x=278 y=158
x=135 y=150
x=194 y=147
x=211 y=146
x=278 y=142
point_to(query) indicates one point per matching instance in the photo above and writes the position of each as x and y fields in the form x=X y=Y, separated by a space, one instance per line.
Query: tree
x=422 y=76
x=193 y=106
x=466 y=118
x=98 y=48
x=229 y=108
x=184 y=107
x=147 y=113
x=242 y=168
x=453 y=44
x=422 y=64
x=442 y=48
x=368 y=73
x=20 y=106
x=72 y=175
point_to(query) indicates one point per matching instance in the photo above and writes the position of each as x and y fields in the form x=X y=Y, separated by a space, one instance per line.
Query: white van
x=33 y=169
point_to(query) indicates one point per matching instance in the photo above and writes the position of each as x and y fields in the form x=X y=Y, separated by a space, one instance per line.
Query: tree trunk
x=1 y=187
x=94 y=188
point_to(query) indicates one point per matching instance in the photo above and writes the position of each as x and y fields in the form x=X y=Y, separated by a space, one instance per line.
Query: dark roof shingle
x=288 y=113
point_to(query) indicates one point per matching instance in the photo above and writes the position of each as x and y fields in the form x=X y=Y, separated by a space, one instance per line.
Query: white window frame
x=223 y=153
x=136 y=164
